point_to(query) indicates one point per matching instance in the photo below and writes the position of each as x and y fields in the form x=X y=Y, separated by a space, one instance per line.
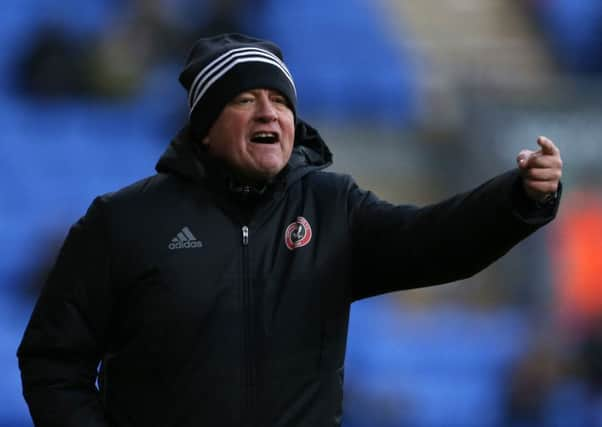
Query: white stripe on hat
x=225 y=57
x=225 y=70
x=208 y=73
x=224 y=63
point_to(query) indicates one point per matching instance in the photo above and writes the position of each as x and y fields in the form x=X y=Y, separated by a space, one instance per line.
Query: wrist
x=547 y=200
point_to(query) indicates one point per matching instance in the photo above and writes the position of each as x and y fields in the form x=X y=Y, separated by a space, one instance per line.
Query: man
x=217 y=292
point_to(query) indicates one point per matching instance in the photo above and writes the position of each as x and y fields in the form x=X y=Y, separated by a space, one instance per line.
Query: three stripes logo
x=185 y=240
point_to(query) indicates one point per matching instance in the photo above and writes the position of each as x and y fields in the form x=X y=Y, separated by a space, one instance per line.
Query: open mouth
x=264 y=138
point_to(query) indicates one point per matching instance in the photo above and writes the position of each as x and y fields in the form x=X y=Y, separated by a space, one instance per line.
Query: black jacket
x=211 y=307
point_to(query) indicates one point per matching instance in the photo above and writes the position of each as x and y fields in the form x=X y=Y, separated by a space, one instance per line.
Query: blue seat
x=345 y=66
x=437 y=364
x=574 y=29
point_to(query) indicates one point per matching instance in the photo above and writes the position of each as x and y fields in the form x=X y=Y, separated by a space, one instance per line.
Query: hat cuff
x=242 y=77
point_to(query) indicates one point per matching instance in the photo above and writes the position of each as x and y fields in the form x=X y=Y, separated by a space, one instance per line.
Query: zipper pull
x=245 y=235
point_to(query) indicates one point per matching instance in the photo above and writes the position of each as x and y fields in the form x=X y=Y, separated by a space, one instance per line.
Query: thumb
x=523 y=158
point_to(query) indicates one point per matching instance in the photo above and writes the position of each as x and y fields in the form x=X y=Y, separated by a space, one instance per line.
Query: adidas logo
x=185 y=240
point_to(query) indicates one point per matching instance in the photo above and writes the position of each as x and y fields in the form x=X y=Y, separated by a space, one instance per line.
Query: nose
x=265 y=109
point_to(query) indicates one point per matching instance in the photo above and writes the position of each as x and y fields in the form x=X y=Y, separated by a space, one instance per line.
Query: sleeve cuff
x=531 y=211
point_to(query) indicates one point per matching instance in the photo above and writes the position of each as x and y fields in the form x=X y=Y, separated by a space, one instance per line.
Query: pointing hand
x=541 y=170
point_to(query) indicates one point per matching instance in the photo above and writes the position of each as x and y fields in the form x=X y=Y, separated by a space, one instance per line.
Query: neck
x=241 y=186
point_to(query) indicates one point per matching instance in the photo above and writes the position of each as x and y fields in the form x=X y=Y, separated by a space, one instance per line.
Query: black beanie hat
x=219 y=68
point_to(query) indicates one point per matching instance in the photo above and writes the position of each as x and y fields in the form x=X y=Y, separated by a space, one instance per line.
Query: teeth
x=264 y=137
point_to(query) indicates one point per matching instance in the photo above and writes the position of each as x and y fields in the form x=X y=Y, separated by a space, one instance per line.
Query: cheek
x=288 y=128
x=224 y=139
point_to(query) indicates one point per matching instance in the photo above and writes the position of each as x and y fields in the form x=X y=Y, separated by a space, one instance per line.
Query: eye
x=279 y=99
x=243 y=99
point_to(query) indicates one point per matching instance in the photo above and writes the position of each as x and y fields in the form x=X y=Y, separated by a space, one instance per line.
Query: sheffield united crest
x=297 y=234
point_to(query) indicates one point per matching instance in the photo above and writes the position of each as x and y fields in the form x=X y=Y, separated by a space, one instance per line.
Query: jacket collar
x=185 y=158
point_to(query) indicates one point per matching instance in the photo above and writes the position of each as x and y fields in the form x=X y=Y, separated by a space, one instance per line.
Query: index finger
x=547 y=146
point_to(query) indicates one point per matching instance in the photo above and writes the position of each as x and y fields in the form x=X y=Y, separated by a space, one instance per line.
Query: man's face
x=254 y=134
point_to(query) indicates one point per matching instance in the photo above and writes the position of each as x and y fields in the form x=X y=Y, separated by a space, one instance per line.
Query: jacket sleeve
x=64 y=340
x=403 y=247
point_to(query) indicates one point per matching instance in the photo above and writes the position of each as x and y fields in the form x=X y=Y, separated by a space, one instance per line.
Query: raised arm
x=402 y=247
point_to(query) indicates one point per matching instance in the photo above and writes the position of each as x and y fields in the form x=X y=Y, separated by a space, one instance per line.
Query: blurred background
x=418 y=99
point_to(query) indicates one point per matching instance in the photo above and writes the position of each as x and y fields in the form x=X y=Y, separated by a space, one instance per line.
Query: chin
x=269 y=172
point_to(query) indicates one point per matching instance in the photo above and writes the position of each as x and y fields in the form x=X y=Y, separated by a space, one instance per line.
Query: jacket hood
x=184 y=158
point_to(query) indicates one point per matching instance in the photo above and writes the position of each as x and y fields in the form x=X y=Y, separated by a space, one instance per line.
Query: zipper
x=249 y=355
x=245 y=235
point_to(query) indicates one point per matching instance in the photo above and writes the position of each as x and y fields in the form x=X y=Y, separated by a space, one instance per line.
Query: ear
x=205 y=141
